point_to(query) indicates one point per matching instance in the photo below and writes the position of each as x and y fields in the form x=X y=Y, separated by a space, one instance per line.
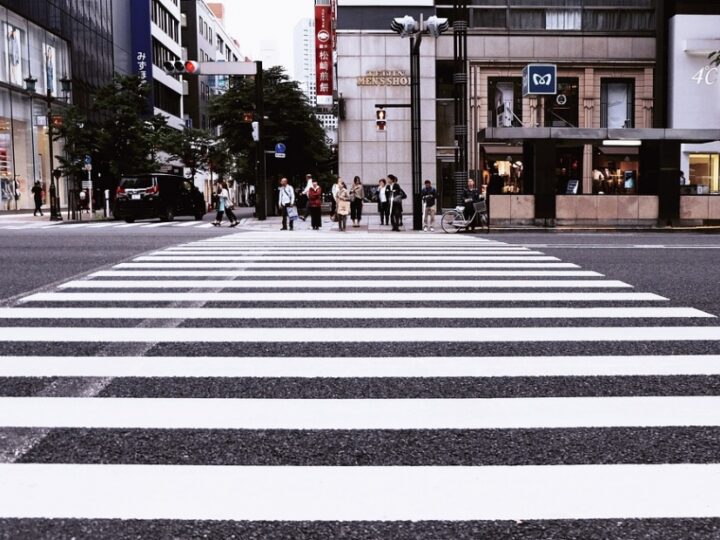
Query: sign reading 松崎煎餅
x=384 y=78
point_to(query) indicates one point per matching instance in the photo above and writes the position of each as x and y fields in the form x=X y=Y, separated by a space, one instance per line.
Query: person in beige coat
x=343 y=205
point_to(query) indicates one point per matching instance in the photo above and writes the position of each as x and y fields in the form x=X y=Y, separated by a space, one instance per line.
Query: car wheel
x=199 y=217
x=168 y=215
x=129 y=220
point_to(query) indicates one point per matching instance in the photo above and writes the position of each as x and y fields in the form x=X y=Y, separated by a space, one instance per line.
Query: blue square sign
x=540 y=80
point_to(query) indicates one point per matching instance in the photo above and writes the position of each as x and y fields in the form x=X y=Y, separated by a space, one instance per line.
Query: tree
x=191 y=146
x=119 y=134
x=290 y=120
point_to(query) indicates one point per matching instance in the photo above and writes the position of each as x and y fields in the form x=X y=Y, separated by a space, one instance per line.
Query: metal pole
x=261 y=188
x=416 y=146
x=55 y=214
x=460 y=79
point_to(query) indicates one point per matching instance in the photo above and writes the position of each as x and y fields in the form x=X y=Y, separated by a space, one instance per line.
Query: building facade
x=570 y=157
x=41 y=44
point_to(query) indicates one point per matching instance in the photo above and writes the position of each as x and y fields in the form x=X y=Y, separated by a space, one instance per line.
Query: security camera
x=405 y=26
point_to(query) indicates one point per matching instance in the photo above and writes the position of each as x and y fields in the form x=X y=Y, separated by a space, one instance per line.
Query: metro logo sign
x=324 y=41
x=539 y=80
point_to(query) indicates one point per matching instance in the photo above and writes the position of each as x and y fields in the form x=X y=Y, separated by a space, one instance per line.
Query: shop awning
x=592 y=136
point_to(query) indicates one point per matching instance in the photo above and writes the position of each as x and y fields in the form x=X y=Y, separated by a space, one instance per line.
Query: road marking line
x=362 y=335
x=188 y=224
x=348 y=297
x=494 y=413
x=289 y=267
x=399 y=493
x=355 y=273
x=128 y=225
x=221 y=255
x=358 y=367
x=155 y=225
x=350 y=313
x=346 y=284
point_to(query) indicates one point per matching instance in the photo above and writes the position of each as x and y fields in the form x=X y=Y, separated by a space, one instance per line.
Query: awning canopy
x=590 y=136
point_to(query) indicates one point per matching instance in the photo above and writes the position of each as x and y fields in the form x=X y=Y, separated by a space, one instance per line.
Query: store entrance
x=446 y=182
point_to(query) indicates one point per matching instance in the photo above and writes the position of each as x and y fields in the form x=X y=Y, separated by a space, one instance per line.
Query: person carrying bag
x=286 y=202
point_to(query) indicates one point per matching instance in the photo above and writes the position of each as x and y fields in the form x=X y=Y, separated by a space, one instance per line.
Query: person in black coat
x=395 y=195
x=37 y=192
x=471 y=195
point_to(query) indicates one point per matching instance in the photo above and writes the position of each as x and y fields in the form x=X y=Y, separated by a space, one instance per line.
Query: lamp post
x=407 y=26
x=30 y=83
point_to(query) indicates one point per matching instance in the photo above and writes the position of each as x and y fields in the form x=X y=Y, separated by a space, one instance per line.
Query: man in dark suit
x=395 y=195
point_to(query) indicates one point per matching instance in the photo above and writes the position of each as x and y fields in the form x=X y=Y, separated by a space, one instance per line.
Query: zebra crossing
x=371 y=386
x=45 y=226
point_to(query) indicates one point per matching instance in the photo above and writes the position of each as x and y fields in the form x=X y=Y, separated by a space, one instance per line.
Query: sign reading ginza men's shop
x=384 y=78
x=539 y=80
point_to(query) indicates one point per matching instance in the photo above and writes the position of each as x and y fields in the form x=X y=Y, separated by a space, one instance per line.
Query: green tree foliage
x=289 y=120
x=119 y=134
x=192 y=147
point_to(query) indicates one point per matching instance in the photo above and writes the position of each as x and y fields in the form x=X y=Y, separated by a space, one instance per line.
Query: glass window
x=704 y=171
x=563 y=19
x=505 y=102
x=617 y=103
x=562 y=110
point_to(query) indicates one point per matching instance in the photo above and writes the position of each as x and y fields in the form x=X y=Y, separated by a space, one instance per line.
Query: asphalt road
x=603 y=423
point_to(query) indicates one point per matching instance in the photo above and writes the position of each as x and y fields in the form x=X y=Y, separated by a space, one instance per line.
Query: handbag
x=292 y=213
x=343 y=208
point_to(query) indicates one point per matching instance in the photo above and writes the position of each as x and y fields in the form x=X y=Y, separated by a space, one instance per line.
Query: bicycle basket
x=480 y=207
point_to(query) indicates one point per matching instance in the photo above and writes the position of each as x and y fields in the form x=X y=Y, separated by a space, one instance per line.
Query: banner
x=324 y=53
x=142 y=45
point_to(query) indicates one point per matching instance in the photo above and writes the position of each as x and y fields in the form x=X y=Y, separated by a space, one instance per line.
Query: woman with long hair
x=343 y=205
x=357 y=196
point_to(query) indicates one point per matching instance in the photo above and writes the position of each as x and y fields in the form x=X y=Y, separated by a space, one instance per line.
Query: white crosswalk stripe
x=263 y=379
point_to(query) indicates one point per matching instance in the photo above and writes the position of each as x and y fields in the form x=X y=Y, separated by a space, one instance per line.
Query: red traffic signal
x=192 y=67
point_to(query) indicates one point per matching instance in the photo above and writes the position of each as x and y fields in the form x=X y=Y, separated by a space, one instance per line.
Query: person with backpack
x=395 y=196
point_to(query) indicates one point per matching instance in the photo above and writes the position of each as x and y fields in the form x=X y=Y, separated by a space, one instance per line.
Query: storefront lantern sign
x=539 y=80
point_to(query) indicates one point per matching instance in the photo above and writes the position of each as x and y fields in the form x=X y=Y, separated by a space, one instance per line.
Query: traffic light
x=437 y=25
x=380 y=119
x=190 y=67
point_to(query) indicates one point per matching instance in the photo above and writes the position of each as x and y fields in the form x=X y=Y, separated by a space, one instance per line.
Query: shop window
x=615 y=171
x=562 y=110
x=617 y=103
x=505 y=102
x=563 y=19
x=703 y=174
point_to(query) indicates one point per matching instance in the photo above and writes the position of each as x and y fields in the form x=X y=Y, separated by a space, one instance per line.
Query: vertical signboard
x=142 y=44
x=324 y=53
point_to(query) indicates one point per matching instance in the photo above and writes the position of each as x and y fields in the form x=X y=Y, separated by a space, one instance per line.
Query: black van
x=157 y=195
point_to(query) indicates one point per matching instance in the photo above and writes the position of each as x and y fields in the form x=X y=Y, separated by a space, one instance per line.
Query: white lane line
x=352 y=313
x=347 y=297
x=355 y=273
x=362 y=335
x=205 y=226
x=74 y=225
x=100 y=225
x=393 y=260
x=358 y=367
x=400 y=493
x=268 y=255
x=155 y=225
x=187 y=224
x=323 y=250
x=496 y=413
x=346 y=284
x=126 y=225
x=290 y=266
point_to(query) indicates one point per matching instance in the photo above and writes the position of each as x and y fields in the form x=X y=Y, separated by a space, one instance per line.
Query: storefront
x=694 y=102
x=28 y=51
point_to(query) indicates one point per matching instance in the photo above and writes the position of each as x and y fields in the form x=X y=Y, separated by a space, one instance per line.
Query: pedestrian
x=357 y=196
x=286 y=200
x=37 y=192
x=343 y=205
x=333 y=199
x=383 y=205
x=305 y=194
x=315 y=205
x=229 y=204
x=395 y=195
x=470 y=196
x=429 y=200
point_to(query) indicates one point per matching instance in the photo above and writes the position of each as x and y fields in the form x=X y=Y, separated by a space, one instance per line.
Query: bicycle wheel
x=452 y=222
x=485 y=221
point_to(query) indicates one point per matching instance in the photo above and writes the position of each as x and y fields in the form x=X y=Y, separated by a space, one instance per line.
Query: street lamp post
x=30 y=83
x=408 y=27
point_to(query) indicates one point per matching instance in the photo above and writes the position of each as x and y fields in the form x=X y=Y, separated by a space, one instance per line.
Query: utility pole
x=460 y=80
x=262 y=204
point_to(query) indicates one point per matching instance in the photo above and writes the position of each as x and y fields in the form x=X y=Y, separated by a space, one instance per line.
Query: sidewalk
x=371 y=224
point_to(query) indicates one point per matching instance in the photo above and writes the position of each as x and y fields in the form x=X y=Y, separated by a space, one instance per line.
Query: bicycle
x=453 y=221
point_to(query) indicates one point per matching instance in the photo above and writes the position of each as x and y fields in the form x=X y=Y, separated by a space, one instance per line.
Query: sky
x=254 y=21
